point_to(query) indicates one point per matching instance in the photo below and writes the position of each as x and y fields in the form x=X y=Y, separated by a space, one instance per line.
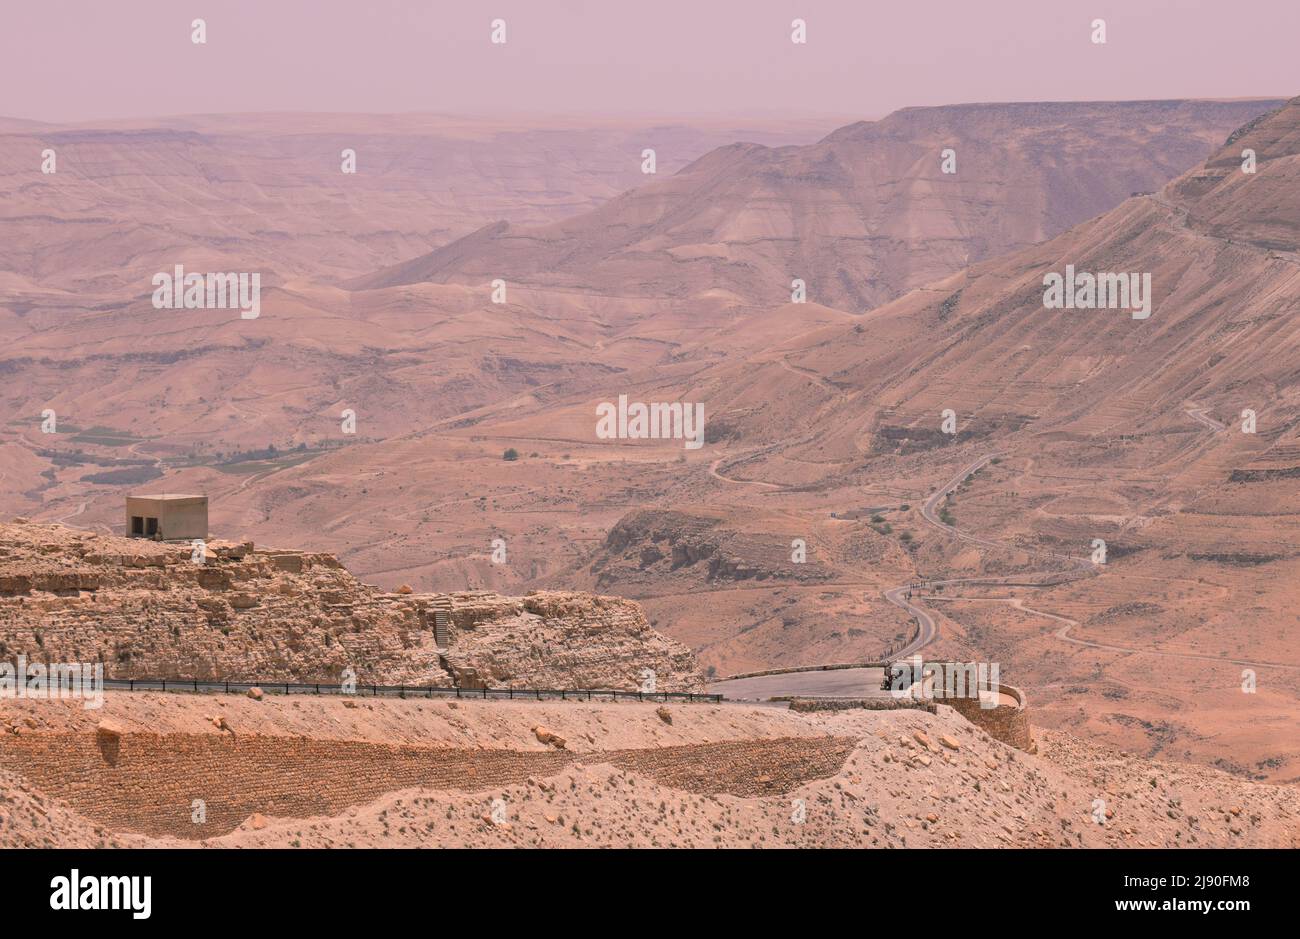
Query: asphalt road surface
x=834 y=683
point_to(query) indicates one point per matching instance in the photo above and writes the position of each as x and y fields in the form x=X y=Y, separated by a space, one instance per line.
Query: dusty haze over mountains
x=904 y=447
x=668 y=58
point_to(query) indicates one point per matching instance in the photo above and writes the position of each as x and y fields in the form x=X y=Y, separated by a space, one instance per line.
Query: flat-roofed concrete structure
x=167 y=517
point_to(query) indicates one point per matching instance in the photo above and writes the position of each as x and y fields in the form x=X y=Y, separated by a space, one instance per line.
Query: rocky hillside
x=319 y=772
x=861 y=216
x=652 y=547
x=147 y=609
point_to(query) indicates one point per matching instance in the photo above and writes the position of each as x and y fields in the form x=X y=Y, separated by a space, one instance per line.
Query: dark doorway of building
x=137 y=524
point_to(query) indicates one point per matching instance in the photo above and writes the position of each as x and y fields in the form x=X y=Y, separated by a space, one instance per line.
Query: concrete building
x=167 y=517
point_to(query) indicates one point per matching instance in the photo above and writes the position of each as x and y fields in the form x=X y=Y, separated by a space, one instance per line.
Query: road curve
x=928 y=509
x=1064 y=635
x=929 y=632
x=1202 y=416
x=927 y=627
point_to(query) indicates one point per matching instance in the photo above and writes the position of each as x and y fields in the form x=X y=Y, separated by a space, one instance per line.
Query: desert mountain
x=1172 y=439
x=823 y=427
x=862 y=216
x=1221 y=248
x=827 y=430
x=268 y=192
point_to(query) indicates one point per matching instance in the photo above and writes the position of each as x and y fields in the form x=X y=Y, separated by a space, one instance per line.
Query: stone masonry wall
x=1005 y=723
x=148 y=782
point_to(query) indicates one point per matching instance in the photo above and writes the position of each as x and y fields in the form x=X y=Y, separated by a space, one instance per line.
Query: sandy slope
x=900 y=782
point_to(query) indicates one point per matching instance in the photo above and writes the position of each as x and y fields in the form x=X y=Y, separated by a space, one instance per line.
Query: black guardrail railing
x=404 y=691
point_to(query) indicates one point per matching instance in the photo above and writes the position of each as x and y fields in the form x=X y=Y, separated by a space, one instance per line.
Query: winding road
x=928 y=630
x=860 y=682
x=927 y=627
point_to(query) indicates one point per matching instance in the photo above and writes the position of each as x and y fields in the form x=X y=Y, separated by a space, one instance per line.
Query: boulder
x=547 y=737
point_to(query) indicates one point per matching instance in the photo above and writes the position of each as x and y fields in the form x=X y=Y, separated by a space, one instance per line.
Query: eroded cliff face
x=147 y=609
x=651 y=546
x=564 y=640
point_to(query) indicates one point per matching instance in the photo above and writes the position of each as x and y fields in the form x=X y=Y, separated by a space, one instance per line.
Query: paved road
x=1064 y=635
x=929 y=510
x=928 y=630
x=834 y=683
x=866 y=682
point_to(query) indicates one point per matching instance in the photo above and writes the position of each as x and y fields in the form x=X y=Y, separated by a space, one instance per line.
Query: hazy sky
x=74 y=60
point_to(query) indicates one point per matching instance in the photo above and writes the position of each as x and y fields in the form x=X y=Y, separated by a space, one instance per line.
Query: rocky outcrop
x=652 y=545
x=149 y=610
x=563 y=640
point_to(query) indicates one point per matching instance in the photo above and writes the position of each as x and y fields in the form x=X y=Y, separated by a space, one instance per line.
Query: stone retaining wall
x=1005 y=723
x=148 y=782
x=867 y=704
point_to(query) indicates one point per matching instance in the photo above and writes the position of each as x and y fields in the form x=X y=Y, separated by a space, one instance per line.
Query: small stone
x=255 y=694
